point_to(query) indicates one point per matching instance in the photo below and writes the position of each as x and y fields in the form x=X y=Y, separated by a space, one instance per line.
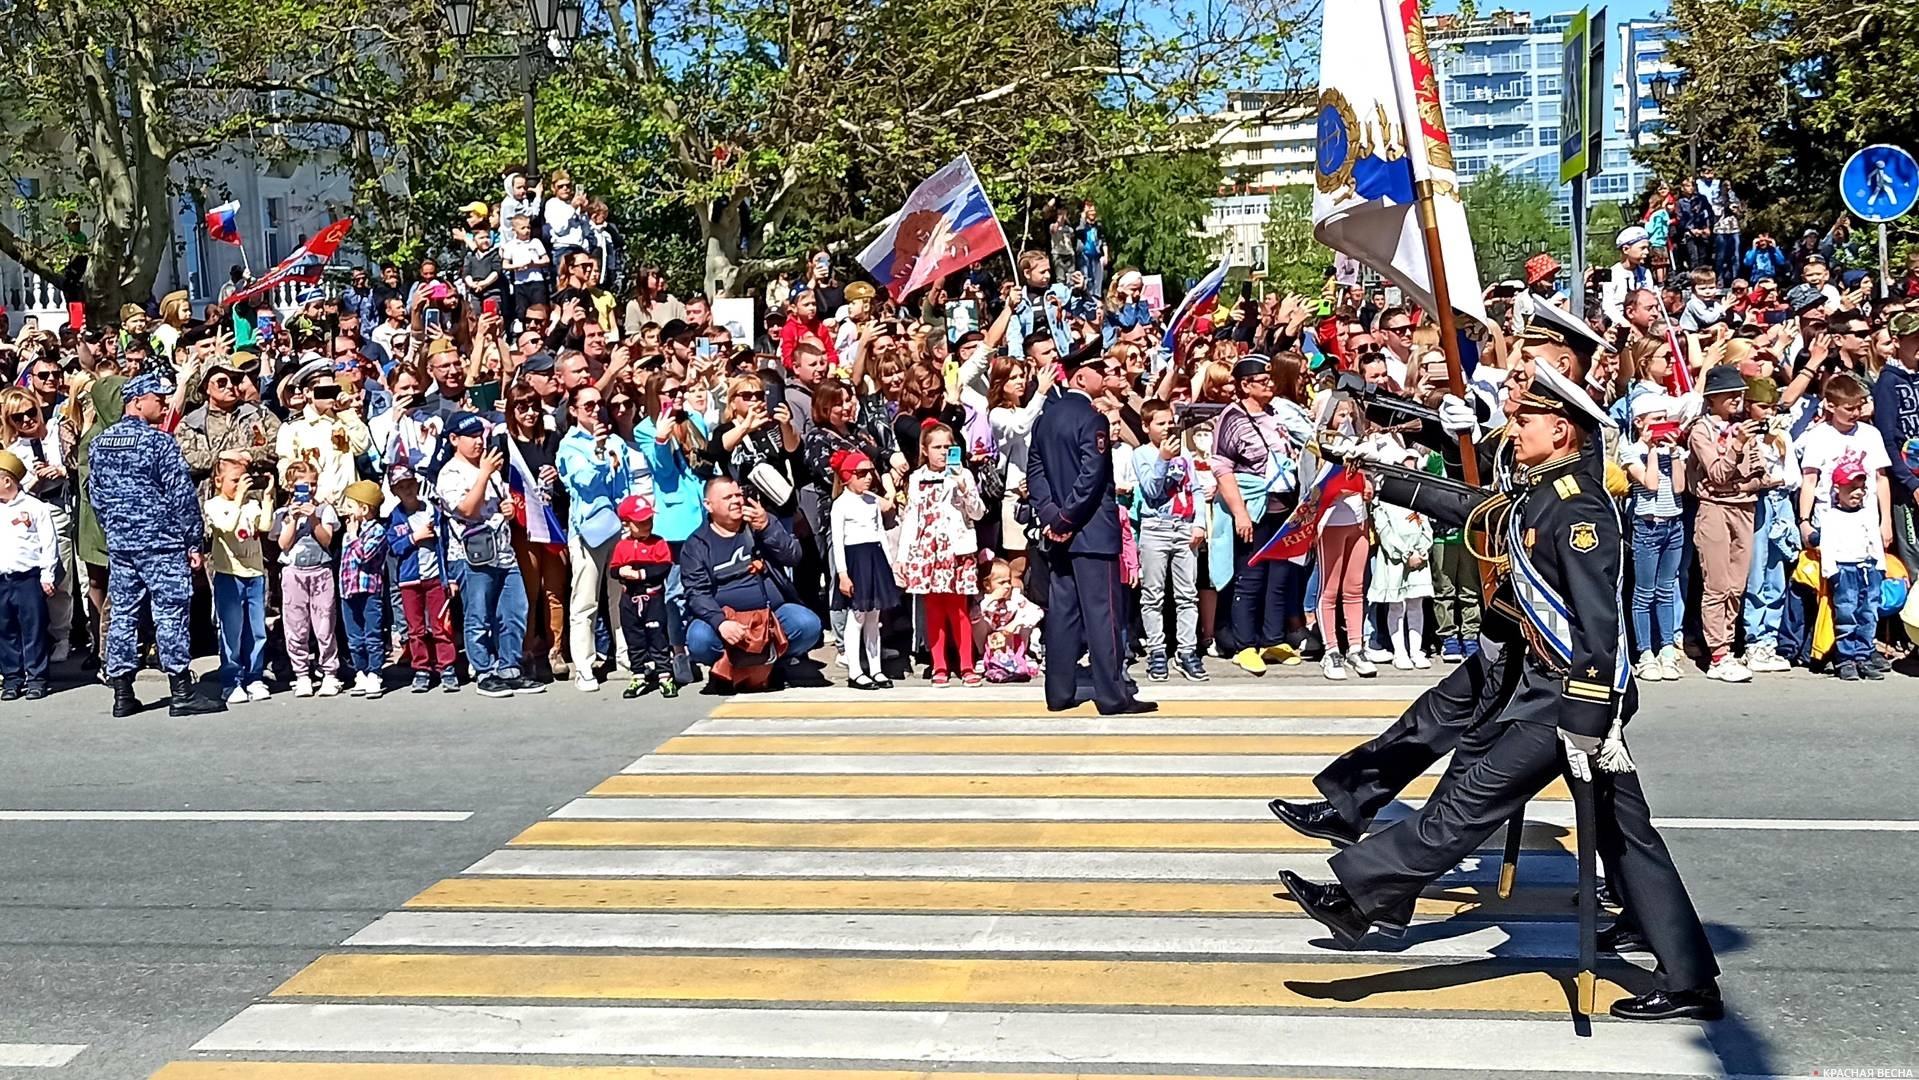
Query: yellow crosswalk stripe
x=330 y=1070
x=856 y=894
x=1064 y=835
x=1343 y=707
x=852 y=785
x=1142 y=983
x=1010 y=744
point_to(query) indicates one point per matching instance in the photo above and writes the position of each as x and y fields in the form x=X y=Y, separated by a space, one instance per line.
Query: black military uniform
x=1564 y=541
x=1069 y=482
x=1364 y=780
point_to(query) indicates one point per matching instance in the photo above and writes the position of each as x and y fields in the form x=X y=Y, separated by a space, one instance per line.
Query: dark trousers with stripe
x=1085 y=612
x=1496 y=769
x=1363 y=780
x=23 y=628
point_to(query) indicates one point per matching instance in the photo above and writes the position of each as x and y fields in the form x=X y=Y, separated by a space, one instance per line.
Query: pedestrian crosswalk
x=821 y=889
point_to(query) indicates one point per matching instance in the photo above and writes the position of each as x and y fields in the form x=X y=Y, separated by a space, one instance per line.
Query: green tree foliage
x=1153 y=207
x=727 y=136
x=1511 y=220
x=1779 y=93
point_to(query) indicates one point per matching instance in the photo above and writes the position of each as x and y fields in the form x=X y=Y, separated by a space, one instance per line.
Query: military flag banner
x=305 y=266
x=947 y=224
x=1382 y=147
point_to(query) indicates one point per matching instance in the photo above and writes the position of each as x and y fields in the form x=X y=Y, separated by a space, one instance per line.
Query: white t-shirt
x=521 y=255
x=1821 y=450
x=1848 y=537
x=457 y=477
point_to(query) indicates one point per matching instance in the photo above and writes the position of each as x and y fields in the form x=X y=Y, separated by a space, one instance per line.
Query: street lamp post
x=556 y=26
x=1663 y=86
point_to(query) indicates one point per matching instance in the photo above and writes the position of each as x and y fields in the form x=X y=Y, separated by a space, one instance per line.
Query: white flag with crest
x=1382 y=136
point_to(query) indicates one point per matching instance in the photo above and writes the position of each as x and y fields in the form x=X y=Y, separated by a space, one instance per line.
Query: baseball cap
x=636 y=508
x=465 y=423
x=476 y=209
x=538 y=363
x=677 y=328
x=1849 y=471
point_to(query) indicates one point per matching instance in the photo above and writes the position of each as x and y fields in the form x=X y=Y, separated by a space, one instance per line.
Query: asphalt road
x=137 y=938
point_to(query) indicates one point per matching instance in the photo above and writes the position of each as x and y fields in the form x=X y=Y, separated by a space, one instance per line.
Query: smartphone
x=432 y=319
x=303 y=493
x=703 y=348
x=1663 y=431
x=439 y=291
x=499 y=444
x=490 y=305
x=775 y=395
x=952 y=457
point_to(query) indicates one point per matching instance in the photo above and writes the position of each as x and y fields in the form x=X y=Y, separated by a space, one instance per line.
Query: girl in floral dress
x=939 y=548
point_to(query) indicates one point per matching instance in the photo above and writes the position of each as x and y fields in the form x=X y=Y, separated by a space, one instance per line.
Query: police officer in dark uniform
x=1069 y=482
x=144 y=496
x=1364 y=780
x=1573 y=696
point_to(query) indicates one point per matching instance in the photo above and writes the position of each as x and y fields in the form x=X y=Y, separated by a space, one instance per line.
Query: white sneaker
x=1728 y=669
x=373 y=685
x=1333 y=666
x=1377 y=656
x=1669 y=662
x=1421 y=660
x=330 y=686
x=257 y=691
x=1402 y=662
x=1764 y=657
x=357 y=688
x=1362 y=664
x=1649 y=669
x=303 y=686
x=585 y=683
x=237 y=696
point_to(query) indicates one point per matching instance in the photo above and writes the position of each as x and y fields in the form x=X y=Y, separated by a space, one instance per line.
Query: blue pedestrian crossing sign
x=1879 y=183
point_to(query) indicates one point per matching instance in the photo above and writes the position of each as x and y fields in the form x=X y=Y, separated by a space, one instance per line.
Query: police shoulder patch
x=1585 y=536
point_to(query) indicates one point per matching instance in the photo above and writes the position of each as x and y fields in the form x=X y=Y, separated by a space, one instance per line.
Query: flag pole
x=1448 y=324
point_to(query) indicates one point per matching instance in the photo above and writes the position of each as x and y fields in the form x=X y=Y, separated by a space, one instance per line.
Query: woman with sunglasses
x=24 y=431
x=592 y=466
x=543 y=566
x=751 y=439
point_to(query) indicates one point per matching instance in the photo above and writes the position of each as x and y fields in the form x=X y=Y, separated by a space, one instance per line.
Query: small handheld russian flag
x=223 y=223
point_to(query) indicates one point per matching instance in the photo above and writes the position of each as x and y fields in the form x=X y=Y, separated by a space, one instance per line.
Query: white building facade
x=281 y=204
x=1266 y=143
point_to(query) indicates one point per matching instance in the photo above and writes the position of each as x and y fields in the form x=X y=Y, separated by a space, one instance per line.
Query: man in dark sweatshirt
x=742 y=558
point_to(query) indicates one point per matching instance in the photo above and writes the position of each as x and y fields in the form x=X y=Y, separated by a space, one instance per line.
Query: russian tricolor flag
x=223 y=223
x=946 y=225
x=530 y=507
x=1296 y=536
x=1189 y=306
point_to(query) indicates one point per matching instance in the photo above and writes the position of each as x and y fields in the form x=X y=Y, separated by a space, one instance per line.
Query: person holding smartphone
x=938 y=548
x=1655 y=463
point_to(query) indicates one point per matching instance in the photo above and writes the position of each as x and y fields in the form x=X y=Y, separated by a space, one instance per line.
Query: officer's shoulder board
x=1567 y=486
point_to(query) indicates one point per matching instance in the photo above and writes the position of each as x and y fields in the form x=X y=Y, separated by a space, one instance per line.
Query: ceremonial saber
x=1585 y=816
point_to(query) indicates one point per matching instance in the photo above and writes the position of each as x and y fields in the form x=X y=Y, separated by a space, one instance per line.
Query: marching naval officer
x=1069 y=482
x=1575 y=692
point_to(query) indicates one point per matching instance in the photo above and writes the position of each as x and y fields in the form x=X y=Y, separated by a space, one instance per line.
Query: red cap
x=636 y=508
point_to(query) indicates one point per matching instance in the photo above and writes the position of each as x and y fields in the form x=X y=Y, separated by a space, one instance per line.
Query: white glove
x=1457 y=416
x=1577 y=761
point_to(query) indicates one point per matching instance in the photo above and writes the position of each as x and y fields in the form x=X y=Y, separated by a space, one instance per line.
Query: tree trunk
x=720 y=226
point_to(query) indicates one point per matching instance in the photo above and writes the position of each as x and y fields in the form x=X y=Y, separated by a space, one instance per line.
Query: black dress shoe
x=1702 y=1004
x=1315 y=819
x=1621 y=938
x=1329 y=905
x=1133 y=708
x=1605 y=895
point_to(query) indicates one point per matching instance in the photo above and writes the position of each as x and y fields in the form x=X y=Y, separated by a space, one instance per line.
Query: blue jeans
x=802 y=635
x=1855 y=610
x=1725 y=257
x=365 y=617
x=1657 y=544
x=240 y=606
x=1766 y=581
x=493 y=599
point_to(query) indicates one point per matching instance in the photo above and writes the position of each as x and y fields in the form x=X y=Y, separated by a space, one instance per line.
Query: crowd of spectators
x=533 y=459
